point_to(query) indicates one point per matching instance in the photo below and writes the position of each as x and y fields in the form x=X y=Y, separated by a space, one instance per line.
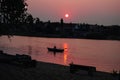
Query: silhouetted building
x=62 y=22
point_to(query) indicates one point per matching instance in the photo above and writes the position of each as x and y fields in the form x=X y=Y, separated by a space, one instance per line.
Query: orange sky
x=105 y=12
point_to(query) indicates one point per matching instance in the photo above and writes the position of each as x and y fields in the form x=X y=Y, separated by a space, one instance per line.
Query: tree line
x=14 y=12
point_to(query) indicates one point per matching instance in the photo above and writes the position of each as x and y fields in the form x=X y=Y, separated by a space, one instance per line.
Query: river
x=103 y=54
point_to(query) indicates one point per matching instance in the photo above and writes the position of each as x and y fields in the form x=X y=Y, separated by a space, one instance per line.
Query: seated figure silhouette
x=54 y=47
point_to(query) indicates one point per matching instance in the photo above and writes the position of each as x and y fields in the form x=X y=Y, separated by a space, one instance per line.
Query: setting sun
x=66 y=15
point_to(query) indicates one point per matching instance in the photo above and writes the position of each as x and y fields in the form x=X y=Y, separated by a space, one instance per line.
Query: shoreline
x=48 y=71
x=45 y=36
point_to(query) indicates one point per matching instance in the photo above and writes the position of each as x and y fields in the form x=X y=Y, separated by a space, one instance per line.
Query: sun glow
x=66 y=15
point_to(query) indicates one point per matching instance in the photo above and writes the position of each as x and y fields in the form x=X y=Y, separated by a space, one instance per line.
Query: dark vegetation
x=24 y=61
x=74 y=67
x=14 y=20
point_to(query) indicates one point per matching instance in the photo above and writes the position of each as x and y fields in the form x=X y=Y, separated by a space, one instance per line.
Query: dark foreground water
x=104 y=54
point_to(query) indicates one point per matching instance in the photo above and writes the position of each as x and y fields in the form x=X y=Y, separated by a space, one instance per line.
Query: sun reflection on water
x=65 y=52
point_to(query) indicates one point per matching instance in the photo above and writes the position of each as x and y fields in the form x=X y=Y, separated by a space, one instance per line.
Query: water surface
x=104 y=54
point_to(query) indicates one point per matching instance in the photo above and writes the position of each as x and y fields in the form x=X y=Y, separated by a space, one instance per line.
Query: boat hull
x=55 y=50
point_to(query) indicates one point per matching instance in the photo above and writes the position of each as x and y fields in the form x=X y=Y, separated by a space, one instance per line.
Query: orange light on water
x=65 y=57
x=65 y=46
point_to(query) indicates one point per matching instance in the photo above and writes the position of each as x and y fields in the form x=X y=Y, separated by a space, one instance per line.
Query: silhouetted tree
x=29 y=19
x=37 y=21
x=13 y=11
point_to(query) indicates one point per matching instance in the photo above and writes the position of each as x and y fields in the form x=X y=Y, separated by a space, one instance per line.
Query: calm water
x=104 y=54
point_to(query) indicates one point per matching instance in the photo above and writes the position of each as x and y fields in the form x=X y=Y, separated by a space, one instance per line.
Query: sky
x=102 y=12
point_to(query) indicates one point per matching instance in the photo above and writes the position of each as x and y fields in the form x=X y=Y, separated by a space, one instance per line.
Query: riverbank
x=48 y=71
x=56 y=36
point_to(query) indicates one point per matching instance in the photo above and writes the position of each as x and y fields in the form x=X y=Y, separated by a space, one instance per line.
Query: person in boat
x=54 y=47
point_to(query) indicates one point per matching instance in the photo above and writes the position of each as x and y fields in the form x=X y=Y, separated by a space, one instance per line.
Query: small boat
x=55 y=50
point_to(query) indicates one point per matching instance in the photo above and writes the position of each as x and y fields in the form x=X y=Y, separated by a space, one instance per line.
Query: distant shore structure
x=61 y=22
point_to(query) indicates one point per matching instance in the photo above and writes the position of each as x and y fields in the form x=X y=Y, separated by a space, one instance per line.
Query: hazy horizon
x=102 y=12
